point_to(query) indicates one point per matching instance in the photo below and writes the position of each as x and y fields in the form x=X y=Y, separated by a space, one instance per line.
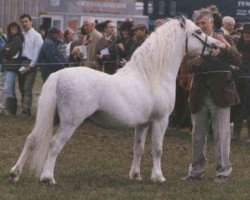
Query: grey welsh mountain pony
x=140 y=95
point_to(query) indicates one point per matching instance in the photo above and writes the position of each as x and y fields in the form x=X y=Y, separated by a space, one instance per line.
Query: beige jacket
x=93 y=39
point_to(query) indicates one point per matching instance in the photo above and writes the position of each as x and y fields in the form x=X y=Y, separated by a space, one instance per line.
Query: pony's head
x=198 y=42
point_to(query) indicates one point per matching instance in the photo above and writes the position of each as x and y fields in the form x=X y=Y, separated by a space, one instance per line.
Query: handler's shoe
x=190 y=179
x=221 y=179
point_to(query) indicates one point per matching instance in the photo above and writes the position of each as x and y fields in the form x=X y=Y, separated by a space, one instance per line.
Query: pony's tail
x=43 y=130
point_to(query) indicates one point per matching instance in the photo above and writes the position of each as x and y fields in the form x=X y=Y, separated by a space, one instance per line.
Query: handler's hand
x=197 y=61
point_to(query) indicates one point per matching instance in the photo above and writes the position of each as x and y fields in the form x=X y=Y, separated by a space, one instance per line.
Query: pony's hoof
x=135 y=176
x=14 y=175
x=48 y=180
x=13 y=178
x=158 y=179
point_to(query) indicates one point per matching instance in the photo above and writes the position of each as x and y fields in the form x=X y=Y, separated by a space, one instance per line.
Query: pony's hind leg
x=62 y=136
x=139 y=143
x=16 y=171
x=158 y=131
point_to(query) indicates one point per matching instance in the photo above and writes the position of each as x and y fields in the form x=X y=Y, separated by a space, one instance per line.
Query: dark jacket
x=242 y=79
x=108 y=61
x=9 y=52
x=50 y=53
x=134 y=46
x=121 y=55
x=214 y=74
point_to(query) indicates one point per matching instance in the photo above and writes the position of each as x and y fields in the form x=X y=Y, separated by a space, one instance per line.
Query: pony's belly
x=108 y=121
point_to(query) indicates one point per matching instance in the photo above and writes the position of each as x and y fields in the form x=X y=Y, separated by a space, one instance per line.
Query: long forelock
x=151 y=60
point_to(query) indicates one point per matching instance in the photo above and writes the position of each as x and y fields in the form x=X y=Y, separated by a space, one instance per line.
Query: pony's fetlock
x=48 y=180
x=135 y=175
x=157 y=178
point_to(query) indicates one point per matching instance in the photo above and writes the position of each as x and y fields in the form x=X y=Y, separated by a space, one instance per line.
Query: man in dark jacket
x=50 y=58
x=212 y=93
x=104 y=56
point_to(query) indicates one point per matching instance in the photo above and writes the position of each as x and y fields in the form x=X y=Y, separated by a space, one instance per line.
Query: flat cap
x=140 y=26
x=54 y=30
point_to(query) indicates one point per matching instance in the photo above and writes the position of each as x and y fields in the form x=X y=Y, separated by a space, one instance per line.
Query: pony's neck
x=158 y=59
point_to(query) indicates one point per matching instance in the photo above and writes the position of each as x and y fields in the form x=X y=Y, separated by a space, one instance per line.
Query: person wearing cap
x=140 y=32
x=31 y=47
x=50 y=58
x=242 y=110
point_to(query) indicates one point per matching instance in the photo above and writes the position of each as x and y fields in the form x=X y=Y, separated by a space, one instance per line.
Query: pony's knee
x=139 y=147
x=157 y=152
x=31 y=142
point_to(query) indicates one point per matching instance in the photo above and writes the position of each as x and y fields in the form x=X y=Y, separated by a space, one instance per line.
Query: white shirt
x=32 y=44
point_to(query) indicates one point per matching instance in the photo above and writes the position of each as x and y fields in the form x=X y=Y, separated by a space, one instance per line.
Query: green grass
x=96 y=162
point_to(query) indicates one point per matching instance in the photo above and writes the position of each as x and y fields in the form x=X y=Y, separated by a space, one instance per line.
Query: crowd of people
x=24 y=50
x=213 y=92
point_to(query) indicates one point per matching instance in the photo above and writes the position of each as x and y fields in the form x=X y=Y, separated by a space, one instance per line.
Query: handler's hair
x=203 y=12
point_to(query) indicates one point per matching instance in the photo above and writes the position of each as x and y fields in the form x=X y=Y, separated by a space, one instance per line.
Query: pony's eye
x=198 y=32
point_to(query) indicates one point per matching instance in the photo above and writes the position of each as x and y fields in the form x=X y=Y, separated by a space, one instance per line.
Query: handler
x=212 y=93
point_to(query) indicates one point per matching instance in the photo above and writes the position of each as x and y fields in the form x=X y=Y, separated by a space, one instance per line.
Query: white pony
x=140 y=95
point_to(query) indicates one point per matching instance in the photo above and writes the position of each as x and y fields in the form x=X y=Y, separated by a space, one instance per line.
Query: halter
x=203 y=42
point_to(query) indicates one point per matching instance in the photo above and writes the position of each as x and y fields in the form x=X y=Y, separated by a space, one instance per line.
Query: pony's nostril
x=213 y=45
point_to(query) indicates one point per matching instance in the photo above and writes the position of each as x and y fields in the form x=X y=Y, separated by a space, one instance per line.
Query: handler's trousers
x=219 y=118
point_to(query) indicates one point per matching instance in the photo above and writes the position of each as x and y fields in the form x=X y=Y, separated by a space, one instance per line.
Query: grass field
x=96 y=162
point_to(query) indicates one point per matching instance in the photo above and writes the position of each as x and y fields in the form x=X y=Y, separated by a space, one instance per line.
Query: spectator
x=181 y=115
x=100 y=27
x=158 y=23
x=212 y=93
x=78 y=48
x=93 y=37
x=50 y=58
x=140 y=33
x=2 y=74
x=11 y=63
x=68 y=38
x=217 y=19
x=228 y=24
x=242 y=111
x=42 y=32
x=236 y=34
x=31 y=47
x=104 y=53
x=123 y=43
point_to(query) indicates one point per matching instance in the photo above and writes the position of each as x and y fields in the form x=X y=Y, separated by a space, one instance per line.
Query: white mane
x=157 y=54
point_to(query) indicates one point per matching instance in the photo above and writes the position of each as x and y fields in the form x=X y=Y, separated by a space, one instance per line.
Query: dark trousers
x=26 y=82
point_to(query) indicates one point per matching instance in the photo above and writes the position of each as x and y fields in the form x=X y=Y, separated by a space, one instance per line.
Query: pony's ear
x=181 y=19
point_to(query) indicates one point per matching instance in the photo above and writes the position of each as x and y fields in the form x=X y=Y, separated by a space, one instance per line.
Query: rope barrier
x=115 y=62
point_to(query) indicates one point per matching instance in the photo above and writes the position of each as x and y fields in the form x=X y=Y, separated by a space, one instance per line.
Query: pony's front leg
x=63 y=135
x=139 y=143
x=158 y=131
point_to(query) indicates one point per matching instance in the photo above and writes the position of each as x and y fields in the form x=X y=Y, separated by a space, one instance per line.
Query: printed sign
x=243 y=9
x=111 y=6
